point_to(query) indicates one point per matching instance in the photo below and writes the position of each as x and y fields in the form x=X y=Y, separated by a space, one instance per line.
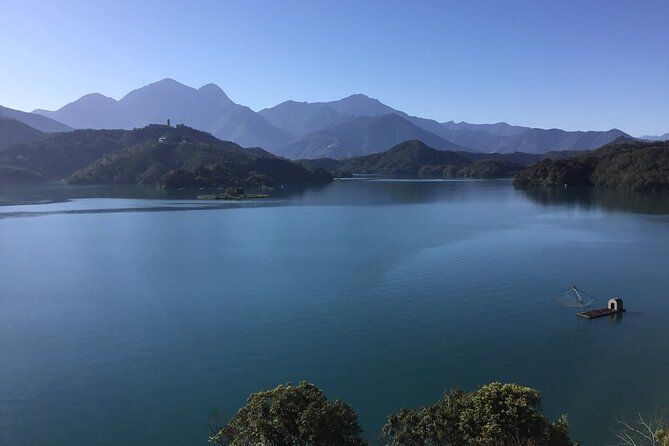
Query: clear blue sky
x=569 y=64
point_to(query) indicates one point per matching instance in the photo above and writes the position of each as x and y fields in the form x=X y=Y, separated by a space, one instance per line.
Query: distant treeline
x=414 y=159
x=624 y=164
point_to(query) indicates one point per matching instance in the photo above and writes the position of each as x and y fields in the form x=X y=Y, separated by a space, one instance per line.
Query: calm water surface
x=131 y=321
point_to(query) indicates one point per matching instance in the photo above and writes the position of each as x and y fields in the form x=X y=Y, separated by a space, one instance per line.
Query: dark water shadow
x=592 y=198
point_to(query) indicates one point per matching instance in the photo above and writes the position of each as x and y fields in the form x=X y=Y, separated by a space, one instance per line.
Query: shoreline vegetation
x=232 y=193
x=624 y=164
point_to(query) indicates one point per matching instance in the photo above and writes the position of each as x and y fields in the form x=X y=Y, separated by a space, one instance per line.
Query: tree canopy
x=495 y=415
x=291 y=415
x=623 y=164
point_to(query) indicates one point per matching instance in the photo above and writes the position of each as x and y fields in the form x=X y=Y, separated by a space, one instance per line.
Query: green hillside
x=624 y=164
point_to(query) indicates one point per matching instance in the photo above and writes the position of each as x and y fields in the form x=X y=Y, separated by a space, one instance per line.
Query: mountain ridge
x=210 y=109
x=362 y=136
x=38 y=122
x=207 y=108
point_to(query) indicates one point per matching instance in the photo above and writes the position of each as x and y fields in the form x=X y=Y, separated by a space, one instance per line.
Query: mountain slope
x=362 y=136
x=499 y=128
x=210 y=109
x=91 y=111
x=38 y=122
x=297 y=118
x=361 y=105
x=15 y=132
x=533 y=140
x=207 y=109
x=302 y=118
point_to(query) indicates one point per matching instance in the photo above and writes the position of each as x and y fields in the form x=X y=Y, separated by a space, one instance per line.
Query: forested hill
x=623 y=164
x=414 y=159
x=156 y=154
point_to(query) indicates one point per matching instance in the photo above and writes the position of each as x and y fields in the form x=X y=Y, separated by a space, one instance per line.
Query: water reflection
x=351 y=192
x=58 y=192
x=594 y=198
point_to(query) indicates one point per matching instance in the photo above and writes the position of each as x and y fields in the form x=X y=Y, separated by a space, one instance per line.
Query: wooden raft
x=599 y=312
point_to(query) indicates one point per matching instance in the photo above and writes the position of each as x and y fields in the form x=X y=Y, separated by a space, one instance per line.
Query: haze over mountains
x=664 y=137
x=362 y=136
x=34 y=120
x=353 y=126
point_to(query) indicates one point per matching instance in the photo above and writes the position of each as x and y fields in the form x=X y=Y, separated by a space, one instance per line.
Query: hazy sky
x=569 y=64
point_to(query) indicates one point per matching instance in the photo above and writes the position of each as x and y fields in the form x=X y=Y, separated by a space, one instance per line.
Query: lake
x=131 y=316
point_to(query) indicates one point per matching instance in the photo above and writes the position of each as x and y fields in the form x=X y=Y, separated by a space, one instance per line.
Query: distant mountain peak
x=358 y=96
x=166 y=81
x=411 y=144
x=96 y=97
x=211 y=87
x=216 y=94
x=161 y=87
x=361 y=105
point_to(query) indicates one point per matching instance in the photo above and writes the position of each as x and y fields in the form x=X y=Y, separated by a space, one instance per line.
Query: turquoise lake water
x=130 y=317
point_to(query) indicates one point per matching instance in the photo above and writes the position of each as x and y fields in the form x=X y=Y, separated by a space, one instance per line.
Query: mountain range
x=207 y=108
x=363 y=136
x=34 y=120
x=353 y=126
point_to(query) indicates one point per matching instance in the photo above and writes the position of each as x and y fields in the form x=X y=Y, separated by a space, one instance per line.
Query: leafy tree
x=291 y=415
x=494 y=415
x=434 y=425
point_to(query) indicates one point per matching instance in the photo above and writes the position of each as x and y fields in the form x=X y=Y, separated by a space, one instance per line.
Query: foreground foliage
x=291 y=415
x=494 y=415
x=300 y=415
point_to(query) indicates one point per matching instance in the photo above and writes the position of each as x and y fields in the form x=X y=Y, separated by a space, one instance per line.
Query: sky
x=576 y=65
